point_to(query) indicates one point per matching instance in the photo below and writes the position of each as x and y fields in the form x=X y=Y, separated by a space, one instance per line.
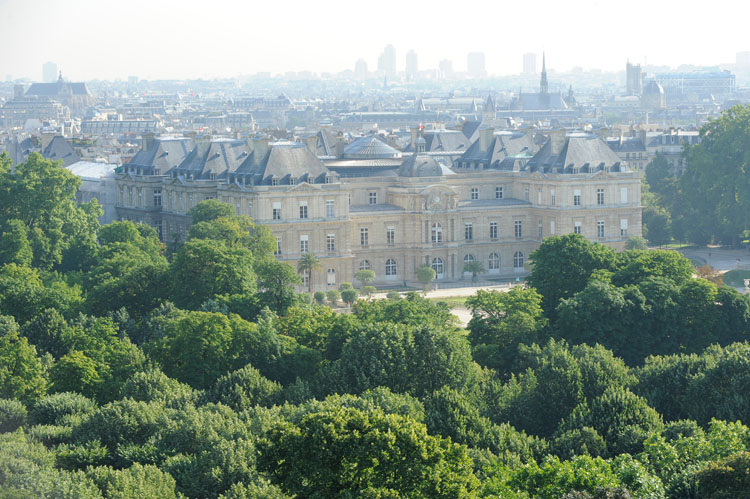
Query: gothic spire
x=543 y=86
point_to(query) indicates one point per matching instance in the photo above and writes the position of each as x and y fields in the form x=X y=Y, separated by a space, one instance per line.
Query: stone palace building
x=371 y=206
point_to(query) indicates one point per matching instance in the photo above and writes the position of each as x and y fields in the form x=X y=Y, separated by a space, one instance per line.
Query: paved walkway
x=719 y=258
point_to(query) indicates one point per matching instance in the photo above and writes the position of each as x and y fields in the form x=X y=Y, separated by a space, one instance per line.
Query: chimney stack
x=556 y=140
x=340 y=147
x=414 y=134
x=485 y=139
x=147 y=140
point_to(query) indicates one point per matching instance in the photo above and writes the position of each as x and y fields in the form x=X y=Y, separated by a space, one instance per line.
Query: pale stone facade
x=392 y=224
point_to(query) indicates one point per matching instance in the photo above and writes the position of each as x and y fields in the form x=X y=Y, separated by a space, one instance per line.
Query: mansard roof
x=422 y=165
x=163 y=154
x=503 y=145
x=371 y=147
x=443 y=141
x=58 y=88
x=214 y=159
x=582 y=153
x=60 y=149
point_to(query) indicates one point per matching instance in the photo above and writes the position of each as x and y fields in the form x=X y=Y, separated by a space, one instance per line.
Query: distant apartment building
x=696 y=86
x=633 y=79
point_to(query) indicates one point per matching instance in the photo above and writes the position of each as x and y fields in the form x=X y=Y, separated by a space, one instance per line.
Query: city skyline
x=92 y=40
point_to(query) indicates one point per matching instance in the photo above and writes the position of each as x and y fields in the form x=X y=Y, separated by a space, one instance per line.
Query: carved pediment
x=438 y=198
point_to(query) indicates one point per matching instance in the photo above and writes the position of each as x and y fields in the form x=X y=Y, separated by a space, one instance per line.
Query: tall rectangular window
x=469 y=231
x=539 y=228
x=303 y=244
x=330 y=209
x=600 y=229
x=474 y=193
x=390 y=236
x=373 y=198
x=157 y=197
x=518 y=226
x=364 y=237
x=624 y=227
x=303 y=209
x=499 y=192
x=600 y=196
x=493 y=230
x=526 y=193
x=552 y=228
x=576 y=227
x=277 y=211
x=552 y=197
x=331 y=243
x=577 y=197
x=278 y=246
x=538 y=196
x=140 y=196
x=623 y=195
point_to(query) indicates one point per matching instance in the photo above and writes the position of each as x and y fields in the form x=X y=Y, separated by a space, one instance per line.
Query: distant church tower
x=543 y=86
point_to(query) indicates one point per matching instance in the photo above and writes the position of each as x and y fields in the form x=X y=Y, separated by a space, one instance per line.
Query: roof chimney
x=485 y=139
x=340 y=147
x=312 y=143
x=414 y=134
x=556 y=140
x=147 y=140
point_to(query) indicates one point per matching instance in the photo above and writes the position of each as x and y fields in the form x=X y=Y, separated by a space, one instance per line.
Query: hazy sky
x=152 y=39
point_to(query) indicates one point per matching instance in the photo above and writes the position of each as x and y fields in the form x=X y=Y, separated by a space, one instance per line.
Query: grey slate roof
x=60 y=87
x=502 y=146
x=371 y=147
x=60 y=149
x=213 y=160
x=579 y=154
x=538 y=101
x=421 y=165
x=283 y=161
x=443 y=141
x=626 y=144
x=164 y=154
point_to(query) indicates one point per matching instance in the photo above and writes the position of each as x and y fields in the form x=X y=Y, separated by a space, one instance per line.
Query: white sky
x=91 y=39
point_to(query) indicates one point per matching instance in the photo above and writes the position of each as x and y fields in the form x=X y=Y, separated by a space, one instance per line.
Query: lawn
x=452 y=301
x=735 y=278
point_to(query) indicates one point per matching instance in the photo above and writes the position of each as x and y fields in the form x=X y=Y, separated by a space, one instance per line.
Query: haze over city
x=91 y=39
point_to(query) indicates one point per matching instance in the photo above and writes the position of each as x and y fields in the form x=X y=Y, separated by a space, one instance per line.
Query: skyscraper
x=49 y=72
x=475 y=65
x=360 y=69
x=387 y=61
x=411 y=65
x=529 y=63
x=633 y=79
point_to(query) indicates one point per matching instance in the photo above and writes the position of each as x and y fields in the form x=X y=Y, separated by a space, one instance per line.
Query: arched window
x=331 y=277
x=437 y=233
x=468 y=258
x=438 y=267
x=390 y=267
x=494 y=262
x=518 y=260
x=364 y=265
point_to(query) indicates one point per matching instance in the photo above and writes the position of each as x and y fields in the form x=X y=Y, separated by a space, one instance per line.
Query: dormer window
x=292 y=180
x=328 y=179
x=212 y=176
x=274 y=181
x=157 y=171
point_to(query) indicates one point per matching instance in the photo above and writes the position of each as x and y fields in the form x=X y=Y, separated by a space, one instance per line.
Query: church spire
x=543 y=86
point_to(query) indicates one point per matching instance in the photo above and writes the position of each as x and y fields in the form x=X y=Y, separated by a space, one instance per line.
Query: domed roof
x=421 y=165
x=653 y=88
x=370 y=148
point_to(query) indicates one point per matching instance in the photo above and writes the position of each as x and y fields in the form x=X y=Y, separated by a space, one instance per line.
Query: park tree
x=22 y=375
x=425 y=275
x=501 y=321
x=209 y=210
x=351 y=453
x=563 y=265
x=474 y=267
x=276 y=282
x=365 y=277
x=14 y=244
x=308 y=264
x=205 y=268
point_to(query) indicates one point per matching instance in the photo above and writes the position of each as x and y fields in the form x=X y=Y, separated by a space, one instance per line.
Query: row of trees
x=710 y=201
x=132 y=371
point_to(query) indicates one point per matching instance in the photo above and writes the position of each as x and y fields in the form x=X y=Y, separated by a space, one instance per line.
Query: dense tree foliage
x=129 y=372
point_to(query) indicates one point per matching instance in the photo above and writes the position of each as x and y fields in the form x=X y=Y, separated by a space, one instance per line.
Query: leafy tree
x=344 y=286
x=57 y=408
x=475 y=267
x=204 y=268
x=310 y=326
x=500 y=321
x=209 y=210
x=41 y=195
x=13 y=415
x=276 y=282
x=244 y=389
x=135 y=481
x=425 y=275
x=155 y=386
x=22 y=375
x=563 y=265
x=636 y=243
x=76 y=372
x=237 y=231
x=347 y=451
x=414 y=310
x=349 y=296
x=367 y=291
x=14 y=244
x=308 y=264
x=23 y=294
x=333 y=296
x=636 y=265
x=365 y=277
x=727 y=478
x=320 y=297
